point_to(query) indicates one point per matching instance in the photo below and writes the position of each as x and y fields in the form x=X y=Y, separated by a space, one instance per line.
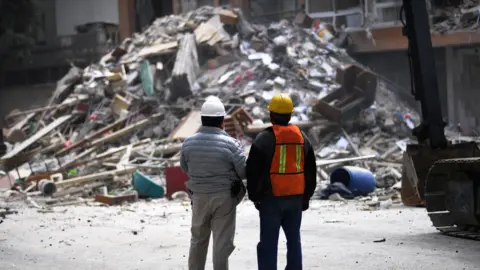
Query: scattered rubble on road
x=126 y=116
x=5 y=210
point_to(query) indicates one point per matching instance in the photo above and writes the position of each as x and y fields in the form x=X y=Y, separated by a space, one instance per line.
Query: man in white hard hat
x=215 y=165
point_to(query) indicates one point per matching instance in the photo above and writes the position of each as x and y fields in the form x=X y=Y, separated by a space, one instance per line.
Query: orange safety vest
x=286 y=171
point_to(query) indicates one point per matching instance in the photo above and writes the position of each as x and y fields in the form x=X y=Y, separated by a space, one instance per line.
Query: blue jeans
x=276 y=212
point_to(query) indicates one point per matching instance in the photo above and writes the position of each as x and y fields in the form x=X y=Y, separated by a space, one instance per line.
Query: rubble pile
x=5 y=210
x=113 y=130
x=452 y=18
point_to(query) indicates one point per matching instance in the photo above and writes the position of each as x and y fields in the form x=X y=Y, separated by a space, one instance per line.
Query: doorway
x=162 y=7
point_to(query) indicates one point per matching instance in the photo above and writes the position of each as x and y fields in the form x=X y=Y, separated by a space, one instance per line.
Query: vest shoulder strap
x=290 y=134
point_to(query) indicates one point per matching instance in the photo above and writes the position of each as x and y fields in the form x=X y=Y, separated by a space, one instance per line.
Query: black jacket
x=259 y=162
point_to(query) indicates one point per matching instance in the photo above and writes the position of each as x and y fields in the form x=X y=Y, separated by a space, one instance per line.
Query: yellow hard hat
x=281 y=104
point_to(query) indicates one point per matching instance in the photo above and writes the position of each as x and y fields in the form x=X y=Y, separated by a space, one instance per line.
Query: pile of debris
x=114 y=129
x=5 y=210
x=453 y=18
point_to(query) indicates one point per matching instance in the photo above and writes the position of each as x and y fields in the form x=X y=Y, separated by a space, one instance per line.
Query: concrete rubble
x=111 y=132
x=455 y=16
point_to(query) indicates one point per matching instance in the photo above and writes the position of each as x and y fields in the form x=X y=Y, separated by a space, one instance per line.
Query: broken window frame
x=334 y=12
x=377 y=8
x=367 y=16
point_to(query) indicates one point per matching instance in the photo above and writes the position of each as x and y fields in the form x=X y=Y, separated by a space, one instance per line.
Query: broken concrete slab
x=185 y=69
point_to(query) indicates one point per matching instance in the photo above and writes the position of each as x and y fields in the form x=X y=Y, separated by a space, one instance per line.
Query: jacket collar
x=212 y=130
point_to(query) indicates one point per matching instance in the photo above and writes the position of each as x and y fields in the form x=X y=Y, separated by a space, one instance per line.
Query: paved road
x=155 y=235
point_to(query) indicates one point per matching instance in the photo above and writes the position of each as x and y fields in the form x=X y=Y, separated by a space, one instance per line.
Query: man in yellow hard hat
x=281 y=179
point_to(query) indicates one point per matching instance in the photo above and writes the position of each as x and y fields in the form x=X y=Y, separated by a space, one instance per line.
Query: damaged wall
x=394 y=66
x=162 y=8
x=187 y=5
x=465 y=92
x=458 y=81
x=70 y=13
x=48 y=27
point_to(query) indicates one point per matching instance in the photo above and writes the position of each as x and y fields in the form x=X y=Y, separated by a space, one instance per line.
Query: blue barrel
x=358 y=180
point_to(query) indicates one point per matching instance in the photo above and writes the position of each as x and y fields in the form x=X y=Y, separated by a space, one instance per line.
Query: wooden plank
x=204 y=32
x=78 y=158
x=73 y=100
x=125 y=158
x=116 y=199
x=211 y=31
x=122 y=132
x=95 y=177
x=123 y=148
x=342 y=160
x=188 y=127
x=157 y=49
x=92 y=136
x=20 y=113
x=228 y=17
x=81 y=189
x=44 y=131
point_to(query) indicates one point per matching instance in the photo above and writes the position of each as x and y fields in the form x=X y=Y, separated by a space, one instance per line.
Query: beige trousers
x=212 y=214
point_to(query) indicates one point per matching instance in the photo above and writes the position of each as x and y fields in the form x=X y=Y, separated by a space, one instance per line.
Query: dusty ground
x=155 y=235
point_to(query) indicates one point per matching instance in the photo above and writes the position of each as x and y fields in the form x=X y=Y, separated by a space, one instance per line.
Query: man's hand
x=257 y=205
x=305 y=205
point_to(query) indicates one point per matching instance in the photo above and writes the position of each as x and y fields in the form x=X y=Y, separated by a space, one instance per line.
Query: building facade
x=376 y=40
x=71 y=31
x=379 y=43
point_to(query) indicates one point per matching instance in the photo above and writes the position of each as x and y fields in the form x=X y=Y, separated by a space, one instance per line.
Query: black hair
x=280 y=119
x=212 y=121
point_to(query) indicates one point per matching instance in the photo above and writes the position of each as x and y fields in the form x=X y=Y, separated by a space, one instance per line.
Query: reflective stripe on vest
x=286 y=172
x=283 y=158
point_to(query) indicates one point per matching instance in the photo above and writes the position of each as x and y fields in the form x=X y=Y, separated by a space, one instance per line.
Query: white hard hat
x=212 y=98
x=213 y=107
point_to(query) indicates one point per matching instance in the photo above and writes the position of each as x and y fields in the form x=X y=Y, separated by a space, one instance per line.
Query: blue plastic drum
x=359 y=181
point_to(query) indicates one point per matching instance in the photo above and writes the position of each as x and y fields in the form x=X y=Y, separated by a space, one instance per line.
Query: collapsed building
x=112 y=132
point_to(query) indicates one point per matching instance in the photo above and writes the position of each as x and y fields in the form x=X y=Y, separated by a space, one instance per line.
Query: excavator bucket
x=417 y=161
